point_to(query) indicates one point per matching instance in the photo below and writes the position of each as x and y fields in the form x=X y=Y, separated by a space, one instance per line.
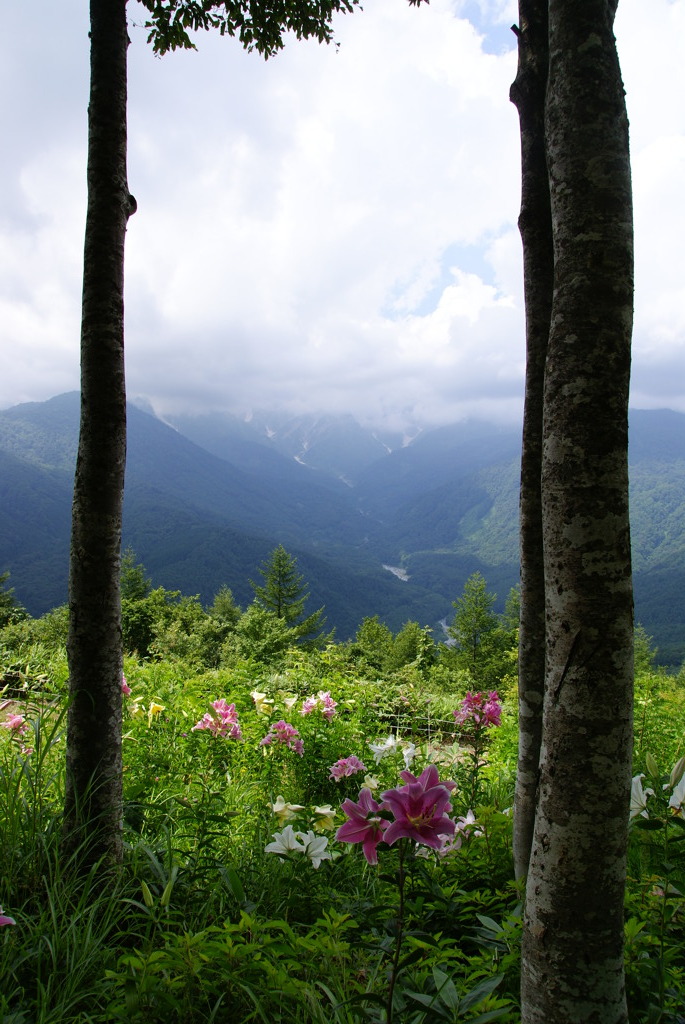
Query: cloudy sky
x=330 y=230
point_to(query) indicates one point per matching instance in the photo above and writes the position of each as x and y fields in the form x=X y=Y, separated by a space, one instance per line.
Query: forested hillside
x=380 y=523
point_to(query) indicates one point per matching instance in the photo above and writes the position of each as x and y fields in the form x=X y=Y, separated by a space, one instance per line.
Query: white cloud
x=307 y=248
x=332 y=228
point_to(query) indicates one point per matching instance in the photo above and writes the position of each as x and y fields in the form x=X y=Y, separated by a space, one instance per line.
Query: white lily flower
x=325 y=818
x=284 y=842
x=677 y=801
x=315 y=847
x=370 y=782
x=284 y=811
x=638 y=797
x=381 y=750
x=262 y=703
x=408 y=754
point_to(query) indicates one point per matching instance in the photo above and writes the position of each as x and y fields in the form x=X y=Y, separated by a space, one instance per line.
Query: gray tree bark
x=535 y=225
x=93 y=803
x=572 y=952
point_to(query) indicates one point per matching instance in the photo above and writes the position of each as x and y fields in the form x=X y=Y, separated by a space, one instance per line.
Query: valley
x=380 y=523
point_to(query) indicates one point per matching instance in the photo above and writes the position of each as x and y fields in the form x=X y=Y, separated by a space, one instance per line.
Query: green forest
x=254 y=744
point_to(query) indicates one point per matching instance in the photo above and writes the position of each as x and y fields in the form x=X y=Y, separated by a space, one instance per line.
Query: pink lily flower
x=125 y=688
x=322 y=699
x=428 y=778
x=483 y=712
x=222 y=721
x=5 y=920
x=492 y=709
x=328 y=704
x=420 y=809
x=309 y=705
x=286 y=734
x=16 y=723
x=345 y=767
x=364 y=826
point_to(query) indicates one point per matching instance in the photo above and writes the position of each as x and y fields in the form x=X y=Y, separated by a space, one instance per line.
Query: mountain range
x=380 y=522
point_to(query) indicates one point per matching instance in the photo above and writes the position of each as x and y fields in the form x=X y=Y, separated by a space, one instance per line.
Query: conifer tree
x=473 y=622
x=135 y=582
x=285 y=594
x=284 y=591
x=224 y=608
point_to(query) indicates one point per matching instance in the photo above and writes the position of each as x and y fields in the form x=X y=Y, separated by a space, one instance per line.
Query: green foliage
x=655 y=926
x=483 y=640
x=224 y=608
x=50 y=631
x=258 y=26
x=259 y=635
x=164 y=624
x=659 y=717
x=511 y=616
x=203 y=924
x=380 y=651
x=10 y=609
x=144 y=617
x=373 y=643
x=284 y=591
x=187 y=633
x=474 y=621
x=134 y=581
x=33 y=658
x=644 y=652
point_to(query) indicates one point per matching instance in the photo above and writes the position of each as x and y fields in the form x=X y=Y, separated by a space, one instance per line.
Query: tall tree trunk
x=93 y=804
x=535 y=225
x=572 y=953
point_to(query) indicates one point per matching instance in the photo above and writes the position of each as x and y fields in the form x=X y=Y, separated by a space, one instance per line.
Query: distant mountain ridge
x=208 y=497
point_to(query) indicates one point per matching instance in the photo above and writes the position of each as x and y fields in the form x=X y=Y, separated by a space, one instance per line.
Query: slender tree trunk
x=93 y=804
x=572 y=953
x=535 y=224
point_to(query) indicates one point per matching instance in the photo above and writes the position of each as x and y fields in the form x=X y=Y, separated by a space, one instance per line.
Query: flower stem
x=401 y=878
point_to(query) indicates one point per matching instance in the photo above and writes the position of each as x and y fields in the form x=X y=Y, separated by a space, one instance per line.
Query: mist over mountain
x=379 y=523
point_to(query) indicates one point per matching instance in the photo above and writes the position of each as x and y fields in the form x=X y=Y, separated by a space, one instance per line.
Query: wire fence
x=429 y=727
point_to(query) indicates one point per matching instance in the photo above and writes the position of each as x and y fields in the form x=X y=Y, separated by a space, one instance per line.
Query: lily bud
x=677 y=773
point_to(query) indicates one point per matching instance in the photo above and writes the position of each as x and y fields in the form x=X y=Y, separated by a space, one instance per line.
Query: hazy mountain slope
x=658 y=514
x=659 y=608
x=194 y=520
x=437 y=509
x=43 y=433
x=35 y=514
x=333 y=448
x=162 y=460
x=446 y=456
x=235 y=441
x=656 y=433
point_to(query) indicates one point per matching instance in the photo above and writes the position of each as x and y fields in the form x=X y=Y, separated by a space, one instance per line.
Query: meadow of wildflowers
x=302 y=845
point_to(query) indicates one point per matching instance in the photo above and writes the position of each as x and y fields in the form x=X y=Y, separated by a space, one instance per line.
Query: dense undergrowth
x=204 y=923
